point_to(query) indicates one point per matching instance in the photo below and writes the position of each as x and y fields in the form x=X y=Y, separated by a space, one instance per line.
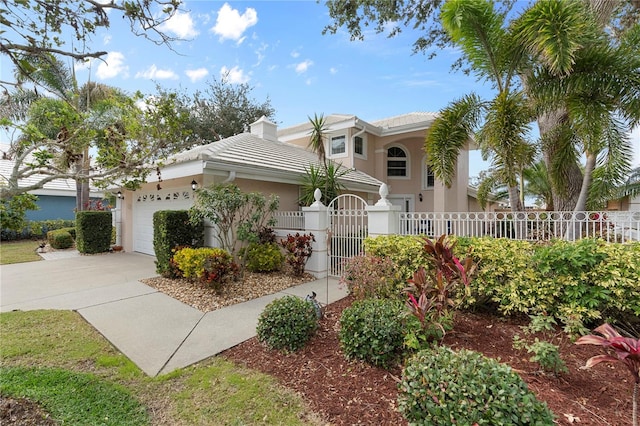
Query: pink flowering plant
x=431 y=291
x=621 y=349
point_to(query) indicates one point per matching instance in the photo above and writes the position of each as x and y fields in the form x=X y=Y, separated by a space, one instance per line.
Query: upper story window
x=338 y=145
x=396 y=162
x=358 y=145
x=429 y=177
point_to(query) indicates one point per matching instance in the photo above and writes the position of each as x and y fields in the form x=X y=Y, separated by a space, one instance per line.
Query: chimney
x=265 y=129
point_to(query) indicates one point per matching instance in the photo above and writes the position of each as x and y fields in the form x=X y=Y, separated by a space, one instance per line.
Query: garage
x=146 y=204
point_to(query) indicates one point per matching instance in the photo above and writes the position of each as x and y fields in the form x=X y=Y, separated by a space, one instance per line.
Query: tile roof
x=379 y=127
x=247 y=149
x=6 y=167
x=405 y=120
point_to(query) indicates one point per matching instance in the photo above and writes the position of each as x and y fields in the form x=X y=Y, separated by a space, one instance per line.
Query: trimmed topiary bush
x=60 y=239
x=373 y=330
x=443 y=387
x=263 y=257
x=287 y=323
x=93 y=231
x=172 y=229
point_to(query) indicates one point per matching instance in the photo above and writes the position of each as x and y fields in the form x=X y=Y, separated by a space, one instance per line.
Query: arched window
x=396 y=162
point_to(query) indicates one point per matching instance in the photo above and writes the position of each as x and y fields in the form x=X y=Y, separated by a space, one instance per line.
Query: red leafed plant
x=625 y=350
x=431 y=290
x=299 y=251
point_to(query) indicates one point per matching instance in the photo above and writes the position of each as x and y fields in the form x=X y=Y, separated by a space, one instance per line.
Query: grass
x=18 y=252
x=74 y=398
x=49 y=356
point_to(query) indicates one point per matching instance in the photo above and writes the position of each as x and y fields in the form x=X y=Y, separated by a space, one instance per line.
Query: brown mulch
x=20 y=412
x=348 y=392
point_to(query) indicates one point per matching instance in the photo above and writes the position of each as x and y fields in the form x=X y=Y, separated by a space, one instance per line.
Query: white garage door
x=147 y=203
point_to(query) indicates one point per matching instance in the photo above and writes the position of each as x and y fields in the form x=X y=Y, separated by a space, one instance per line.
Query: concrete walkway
x=157 y=332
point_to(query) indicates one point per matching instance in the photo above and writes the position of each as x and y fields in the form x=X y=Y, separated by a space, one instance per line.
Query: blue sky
x=277 y=47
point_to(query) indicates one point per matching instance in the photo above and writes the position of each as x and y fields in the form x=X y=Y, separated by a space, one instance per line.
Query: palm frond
x=449 y=133
x=553 y=31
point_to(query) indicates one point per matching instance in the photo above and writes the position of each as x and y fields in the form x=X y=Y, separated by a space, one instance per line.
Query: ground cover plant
x=47 y=356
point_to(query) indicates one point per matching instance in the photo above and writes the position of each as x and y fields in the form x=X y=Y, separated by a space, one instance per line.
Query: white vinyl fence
x=533 y=226
x=293 y=220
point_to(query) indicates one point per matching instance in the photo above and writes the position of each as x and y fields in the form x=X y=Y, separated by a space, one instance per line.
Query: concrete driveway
x=157 y=332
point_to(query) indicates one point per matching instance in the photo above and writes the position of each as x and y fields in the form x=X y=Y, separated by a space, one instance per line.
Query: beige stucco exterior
x=273 y=162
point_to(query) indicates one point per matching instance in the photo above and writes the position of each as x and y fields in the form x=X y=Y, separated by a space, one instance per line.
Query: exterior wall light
x=119 y=195
x=194 y=184
x=420 y=197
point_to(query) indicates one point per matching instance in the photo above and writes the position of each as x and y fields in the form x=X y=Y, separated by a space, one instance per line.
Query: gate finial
x=384 y=191
x=317 y=196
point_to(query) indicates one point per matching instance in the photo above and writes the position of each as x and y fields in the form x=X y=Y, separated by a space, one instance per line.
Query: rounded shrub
x=443 y=387
x=210 y=265
x=287 y=323
x=60 y=239
x=264 y=257
x=373 y=330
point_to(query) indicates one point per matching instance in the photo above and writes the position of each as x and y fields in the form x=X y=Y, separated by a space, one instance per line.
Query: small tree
x=238 y=216
x=13 y=209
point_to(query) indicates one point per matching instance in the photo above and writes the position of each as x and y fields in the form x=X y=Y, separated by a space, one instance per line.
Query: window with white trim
x=358 y=145
x=396 y=162
x=338 y=145
x=429 y=177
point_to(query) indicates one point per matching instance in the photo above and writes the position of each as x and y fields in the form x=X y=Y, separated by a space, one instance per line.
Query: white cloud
x=112 y=66
x=260 y=53
x=234 y=75
x=333 y=71
x=153 y=73
x=197 y=74
x=181 y=24
x=302 y=67
x=295 y=54
x=231 y=25
x=107 y=39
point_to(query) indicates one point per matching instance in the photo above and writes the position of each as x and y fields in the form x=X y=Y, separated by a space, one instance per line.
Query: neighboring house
x=273 y=162
x=625 y=204
x=57 y=199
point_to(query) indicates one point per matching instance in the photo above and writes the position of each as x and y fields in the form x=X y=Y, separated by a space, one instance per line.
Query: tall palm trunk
x=565 y=185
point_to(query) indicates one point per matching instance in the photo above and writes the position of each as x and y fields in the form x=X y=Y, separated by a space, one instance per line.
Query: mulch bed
x=349 y=393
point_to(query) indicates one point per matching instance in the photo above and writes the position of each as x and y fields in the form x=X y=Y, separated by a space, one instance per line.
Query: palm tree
x=600 y=99
x=586 y=88
x=52 y=75
x=316 y=144
x=538 y=185
x=501 y=125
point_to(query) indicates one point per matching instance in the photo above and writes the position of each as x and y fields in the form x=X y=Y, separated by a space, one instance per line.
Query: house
x=273 y=161
x=56 y=200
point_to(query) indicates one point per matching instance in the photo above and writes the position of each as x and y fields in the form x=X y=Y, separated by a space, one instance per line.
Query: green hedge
x=581 y=283
x=35 y=229
x=93 y=231
x=171 y=229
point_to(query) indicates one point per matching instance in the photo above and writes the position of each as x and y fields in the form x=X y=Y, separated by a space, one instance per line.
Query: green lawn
x=18 y=252
x=48 y=356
